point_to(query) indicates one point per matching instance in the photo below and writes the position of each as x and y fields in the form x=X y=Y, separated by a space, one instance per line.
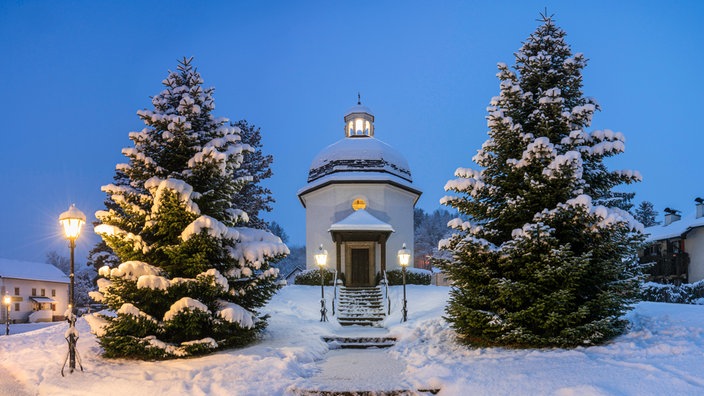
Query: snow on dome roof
x=359 y=154
x=358 y=108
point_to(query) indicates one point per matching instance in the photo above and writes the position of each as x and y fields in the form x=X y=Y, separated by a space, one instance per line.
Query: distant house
x=291 y=275
x=676 y=247
x=39 y=292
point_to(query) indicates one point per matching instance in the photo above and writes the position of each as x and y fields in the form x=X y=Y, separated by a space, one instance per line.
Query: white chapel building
x=359 y=202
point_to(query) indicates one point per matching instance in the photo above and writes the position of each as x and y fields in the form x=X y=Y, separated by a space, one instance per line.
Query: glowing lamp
x=72 y=220
x=404 y=256
x=321 y=258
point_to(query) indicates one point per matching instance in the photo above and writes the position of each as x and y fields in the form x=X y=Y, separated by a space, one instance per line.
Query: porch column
x=382 y=242
x=338 y=252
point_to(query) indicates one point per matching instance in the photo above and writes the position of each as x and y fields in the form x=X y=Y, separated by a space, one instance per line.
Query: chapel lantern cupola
x=359 y=121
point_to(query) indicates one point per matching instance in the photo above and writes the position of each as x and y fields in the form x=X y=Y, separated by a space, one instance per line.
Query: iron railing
x=334 y=293
x=668 y=268
x=386 y=294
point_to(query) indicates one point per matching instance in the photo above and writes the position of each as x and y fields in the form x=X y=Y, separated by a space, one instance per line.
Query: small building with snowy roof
x=38 y=291
x=359 y=202
x=676 y=247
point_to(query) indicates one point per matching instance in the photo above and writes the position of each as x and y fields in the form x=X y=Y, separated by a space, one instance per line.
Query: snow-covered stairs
x=361 y=306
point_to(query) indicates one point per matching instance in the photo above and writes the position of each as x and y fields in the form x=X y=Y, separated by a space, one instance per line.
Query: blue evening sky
x=73 y=74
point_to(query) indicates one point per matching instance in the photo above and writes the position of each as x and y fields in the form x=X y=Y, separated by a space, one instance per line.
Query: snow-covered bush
x=192 y=274
x=414 y=276
x=311 y=277
x=686 y=293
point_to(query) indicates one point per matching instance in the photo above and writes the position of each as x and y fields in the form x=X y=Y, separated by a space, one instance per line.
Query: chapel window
x=358 y=204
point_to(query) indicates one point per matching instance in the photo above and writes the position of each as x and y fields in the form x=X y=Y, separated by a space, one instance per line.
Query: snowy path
x=360 y=370
x=9 y=385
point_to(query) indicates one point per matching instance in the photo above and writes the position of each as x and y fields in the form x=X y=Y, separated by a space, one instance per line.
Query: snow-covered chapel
x=359 y=202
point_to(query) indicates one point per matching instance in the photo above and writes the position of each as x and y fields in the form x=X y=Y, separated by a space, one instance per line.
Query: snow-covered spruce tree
x=191 y=276
x=254 y=197
x=544 y=261
x=646 y=214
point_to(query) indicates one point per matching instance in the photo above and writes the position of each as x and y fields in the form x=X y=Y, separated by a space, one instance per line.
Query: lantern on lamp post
x=404 y=258
x=72 y=220
x=321 y=259
x=7 y=299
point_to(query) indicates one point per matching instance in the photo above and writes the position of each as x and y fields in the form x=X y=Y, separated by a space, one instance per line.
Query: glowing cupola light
x=359 y=121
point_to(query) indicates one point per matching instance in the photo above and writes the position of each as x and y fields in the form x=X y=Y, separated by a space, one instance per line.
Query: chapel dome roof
x=363 y=155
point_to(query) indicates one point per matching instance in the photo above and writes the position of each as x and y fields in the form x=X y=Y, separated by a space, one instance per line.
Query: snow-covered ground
x=662 y=354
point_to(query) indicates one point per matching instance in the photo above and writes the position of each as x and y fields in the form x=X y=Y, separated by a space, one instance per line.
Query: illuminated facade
x=359 y=202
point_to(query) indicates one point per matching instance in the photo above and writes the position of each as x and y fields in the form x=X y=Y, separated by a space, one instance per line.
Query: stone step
x=360 y=296
x=360 y=342
x=396 y=392
x=361 y=302
x=348 y=315
x=357 y=310
x=366 y=293
x=364 y=323
x=357 y=307
x=359 y=320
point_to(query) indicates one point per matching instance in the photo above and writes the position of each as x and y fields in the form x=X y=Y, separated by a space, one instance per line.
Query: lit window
x=366 y=127
x=358 y=204
x=358 y=126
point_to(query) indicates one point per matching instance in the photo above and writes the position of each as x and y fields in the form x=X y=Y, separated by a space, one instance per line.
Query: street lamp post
x=7 y=299
x=72 y=220
x=321 y=259
x=404 y=257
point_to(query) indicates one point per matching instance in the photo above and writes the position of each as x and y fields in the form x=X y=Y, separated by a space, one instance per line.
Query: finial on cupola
x=359 y=99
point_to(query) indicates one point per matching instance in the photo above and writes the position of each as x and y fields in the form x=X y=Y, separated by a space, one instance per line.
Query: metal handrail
x=334 y=293
x=386 y=294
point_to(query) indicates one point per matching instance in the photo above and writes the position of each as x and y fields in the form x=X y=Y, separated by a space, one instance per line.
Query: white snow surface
x=157 y=187
x=660 y=355
x=234 y=313
x=213 y=227
x=257 y=245
x=133 y=270
x=186 y=303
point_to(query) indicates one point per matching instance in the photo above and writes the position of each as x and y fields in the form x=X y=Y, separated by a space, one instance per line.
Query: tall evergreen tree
x=254 y=198
x=191 y=276
x=543 y=261
x=646 y=214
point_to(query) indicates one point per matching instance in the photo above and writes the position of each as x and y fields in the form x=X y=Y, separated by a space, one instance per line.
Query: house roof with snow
x=17 y=269
x=675 y=229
